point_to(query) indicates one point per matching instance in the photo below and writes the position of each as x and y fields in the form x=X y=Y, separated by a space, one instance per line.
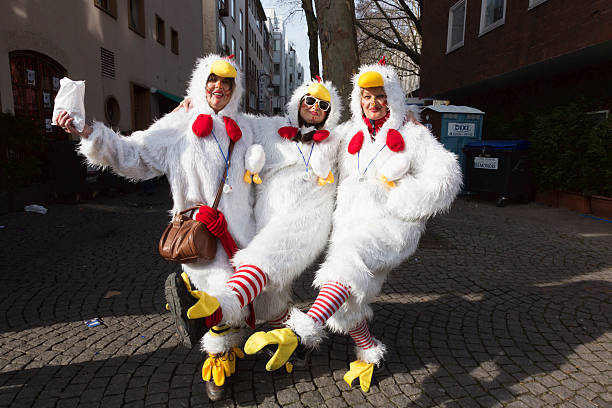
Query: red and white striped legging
x=331 y=297
x=247 y=282
x=279 y=322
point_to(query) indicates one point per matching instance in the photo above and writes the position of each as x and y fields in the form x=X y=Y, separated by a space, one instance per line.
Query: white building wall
x=72 y=32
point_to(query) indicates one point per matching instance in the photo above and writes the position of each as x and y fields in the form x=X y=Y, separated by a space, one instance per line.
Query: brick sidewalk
x=499 y=307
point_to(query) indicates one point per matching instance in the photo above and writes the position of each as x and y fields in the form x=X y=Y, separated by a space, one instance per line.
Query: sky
x=296 y=31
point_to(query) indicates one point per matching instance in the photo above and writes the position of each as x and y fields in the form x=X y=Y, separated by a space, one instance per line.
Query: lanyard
x=303 y=158
x=225 y=159
x=362 y=175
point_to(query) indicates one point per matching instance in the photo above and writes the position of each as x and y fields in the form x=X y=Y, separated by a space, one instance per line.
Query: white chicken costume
x=191 y=149
x=293 y=211
x=390 y=183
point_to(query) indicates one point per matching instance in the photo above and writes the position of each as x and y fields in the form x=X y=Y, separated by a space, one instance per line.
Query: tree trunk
x=313 y=36
x=338 y=44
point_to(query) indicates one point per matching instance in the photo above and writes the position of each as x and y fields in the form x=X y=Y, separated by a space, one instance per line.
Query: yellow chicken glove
x=256 y=178
x=247 y=177
x=285 y=338
x=388 y=183
x=205 y=306
x=362 y=370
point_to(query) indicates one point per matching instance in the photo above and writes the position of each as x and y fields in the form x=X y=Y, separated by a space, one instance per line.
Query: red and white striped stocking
x=361 y=336
x=247 y=282
x=331 y=296
x=279 y=322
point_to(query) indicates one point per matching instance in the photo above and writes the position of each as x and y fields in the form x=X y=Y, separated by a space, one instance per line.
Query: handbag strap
x=222 y=183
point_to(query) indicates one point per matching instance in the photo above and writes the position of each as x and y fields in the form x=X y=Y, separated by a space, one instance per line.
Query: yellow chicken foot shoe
x=323 y=181
x=247 y=177
x=285 y=338
x=387 y=183
x=232 y=355
x=256 y=178
x=204 y=307
x=363 y=371
x=216 y=367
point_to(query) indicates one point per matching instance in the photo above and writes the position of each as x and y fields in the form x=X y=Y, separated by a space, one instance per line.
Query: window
x=174 y=41
x=112 y=111
x=533 y=3
x=233 y=9
x=160 y=29
x=456 y=26
x=136 y=16
x=277 y=45
x=492 y=15
x=241 y=59
x=233 y=50
x=222 y=40
x=109 y=6
x=240 y=21
x=252 y=100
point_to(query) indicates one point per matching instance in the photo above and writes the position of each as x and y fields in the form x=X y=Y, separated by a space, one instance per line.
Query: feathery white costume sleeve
x=433 y=181
x=142 y=155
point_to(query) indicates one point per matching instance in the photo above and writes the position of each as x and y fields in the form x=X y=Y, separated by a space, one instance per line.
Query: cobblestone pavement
x=499 y=307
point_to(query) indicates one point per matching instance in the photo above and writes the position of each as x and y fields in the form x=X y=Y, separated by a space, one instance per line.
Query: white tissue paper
x=71 y=98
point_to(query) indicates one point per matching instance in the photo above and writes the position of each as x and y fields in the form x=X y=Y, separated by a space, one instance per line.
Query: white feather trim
x=310 y=332
x=373 y=355
x=335 y=111
x=197 y=87
x=395 y=97
x=213 y=344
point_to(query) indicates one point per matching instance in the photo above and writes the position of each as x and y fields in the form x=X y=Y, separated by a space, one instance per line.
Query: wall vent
x=107 y=58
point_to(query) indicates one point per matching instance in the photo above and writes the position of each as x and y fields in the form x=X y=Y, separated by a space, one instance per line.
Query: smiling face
x=374 y=103
x=218 y=92
x=312 y=114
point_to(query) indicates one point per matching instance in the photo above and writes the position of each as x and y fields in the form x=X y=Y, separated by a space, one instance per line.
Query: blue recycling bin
x=454 y=126
x=498 y=166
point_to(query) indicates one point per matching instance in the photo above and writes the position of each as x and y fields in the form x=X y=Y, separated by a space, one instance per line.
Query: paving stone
x=498 y=307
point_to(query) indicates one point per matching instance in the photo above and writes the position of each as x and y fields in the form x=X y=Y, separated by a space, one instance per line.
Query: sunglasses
x=311 y=100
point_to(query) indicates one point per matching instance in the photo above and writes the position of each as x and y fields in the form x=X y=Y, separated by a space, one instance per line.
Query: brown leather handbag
x=186 y=240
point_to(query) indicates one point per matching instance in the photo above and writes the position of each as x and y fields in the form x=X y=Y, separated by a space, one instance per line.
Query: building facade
x=136 y=57
x=505 y=56
x=287 y=72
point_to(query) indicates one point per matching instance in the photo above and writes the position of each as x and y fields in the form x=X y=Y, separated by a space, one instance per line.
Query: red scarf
x=378 y=123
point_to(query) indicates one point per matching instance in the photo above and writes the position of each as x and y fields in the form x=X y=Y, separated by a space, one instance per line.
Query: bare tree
x=313 y=37
x=391 y=28
x=338 y=43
